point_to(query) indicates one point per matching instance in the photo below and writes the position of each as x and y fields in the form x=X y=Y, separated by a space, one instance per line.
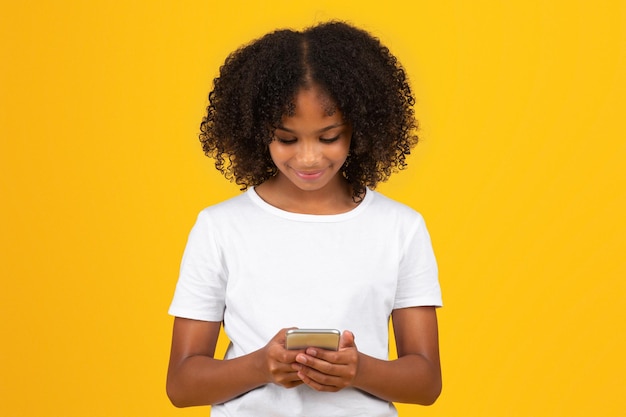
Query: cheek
x=342 y=150
x=337 y=158
x=278 y=153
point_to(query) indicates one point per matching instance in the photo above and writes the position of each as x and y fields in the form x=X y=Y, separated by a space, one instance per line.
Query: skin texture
x=196 y=378
x=309 y=149
x=415 y=377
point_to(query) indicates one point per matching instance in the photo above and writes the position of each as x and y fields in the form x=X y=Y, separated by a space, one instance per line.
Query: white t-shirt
x=260 y=269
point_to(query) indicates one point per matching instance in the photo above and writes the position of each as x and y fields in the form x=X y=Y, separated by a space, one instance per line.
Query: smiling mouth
x=309 y=175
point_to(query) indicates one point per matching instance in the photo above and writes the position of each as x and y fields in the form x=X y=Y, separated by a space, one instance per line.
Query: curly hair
x=258 y=83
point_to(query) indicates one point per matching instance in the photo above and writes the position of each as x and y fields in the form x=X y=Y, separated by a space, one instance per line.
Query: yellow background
x=520 y=176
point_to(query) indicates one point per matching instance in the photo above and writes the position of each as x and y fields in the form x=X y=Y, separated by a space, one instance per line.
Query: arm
x=195 y=378
x=415 y=377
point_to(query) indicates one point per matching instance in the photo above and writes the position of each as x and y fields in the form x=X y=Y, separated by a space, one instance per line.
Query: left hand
x=327 y=370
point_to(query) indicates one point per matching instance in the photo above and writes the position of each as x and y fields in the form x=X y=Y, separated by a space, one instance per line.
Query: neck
x=335 y=198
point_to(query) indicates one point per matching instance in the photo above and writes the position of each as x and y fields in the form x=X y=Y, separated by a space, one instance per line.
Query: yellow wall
x=520 y=176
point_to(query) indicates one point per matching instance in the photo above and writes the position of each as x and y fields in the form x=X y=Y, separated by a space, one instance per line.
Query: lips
x=309 y=175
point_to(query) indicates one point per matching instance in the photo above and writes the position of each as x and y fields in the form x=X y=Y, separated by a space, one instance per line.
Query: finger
x=283 y=368
x=281 y=336
x=338 y=370
x=291 y=383
x=313 y=355
x=324 y=373
x=280 y=372
x=321 y=364
x=287 y=379
x=346 y=340
x=282 y=355
x=319 y=381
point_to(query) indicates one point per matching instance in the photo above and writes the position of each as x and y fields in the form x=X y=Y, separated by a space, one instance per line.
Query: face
x=311 y=146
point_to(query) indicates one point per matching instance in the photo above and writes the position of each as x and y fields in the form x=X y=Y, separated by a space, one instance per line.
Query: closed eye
x=329 y=140
x=286 y=141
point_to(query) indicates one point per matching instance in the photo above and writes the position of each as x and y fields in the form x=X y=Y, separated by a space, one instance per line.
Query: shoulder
x=385 y=206
x=228 y=208
x=226 y=215
x=398 y=219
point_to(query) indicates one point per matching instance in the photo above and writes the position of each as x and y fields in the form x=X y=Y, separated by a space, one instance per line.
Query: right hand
x=278 y=361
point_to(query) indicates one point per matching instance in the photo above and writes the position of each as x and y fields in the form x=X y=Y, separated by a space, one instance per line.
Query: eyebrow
x=322 y=130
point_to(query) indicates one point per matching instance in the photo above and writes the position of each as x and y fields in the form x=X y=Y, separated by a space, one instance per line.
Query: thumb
x=346 y=340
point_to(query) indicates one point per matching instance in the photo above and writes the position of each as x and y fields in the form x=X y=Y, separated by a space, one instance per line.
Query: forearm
x=409 y=379
x=202 y=380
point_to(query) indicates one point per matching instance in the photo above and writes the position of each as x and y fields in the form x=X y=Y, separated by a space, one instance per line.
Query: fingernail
x=301 y=358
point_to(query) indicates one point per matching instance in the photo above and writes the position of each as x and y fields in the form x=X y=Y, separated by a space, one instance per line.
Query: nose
x=308 y=153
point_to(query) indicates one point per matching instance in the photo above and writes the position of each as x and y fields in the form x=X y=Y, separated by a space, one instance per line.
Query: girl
x=308 y=123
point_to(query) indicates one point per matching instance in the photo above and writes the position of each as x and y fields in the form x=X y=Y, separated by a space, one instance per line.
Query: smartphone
x=320 y=338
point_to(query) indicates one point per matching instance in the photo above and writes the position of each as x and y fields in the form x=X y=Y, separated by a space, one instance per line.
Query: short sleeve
x=418 y=282
x=200 y=291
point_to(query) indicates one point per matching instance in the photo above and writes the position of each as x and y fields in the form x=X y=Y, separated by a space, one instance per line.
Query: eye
x=286 y=141
x=329 y=140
